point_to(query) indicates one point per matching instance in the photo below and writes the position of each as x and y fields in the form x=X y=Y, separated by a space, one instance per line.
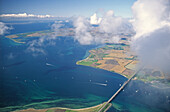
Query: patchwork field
x=118 y=58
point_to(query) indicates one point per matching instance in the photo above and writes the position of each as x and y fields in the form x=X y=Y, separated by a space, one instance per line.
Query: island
x=114 y=57
x=23 y=37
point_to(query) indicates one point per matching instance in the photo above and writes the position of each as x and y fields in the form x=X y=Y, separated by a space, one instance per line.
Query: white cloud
x=82 y=27
x=25 y=15
x=152 y=25
x=94 y=19
x=150 y=15
x=114 y=39
x=154 y=49
x=3 y=28
x=111 y=23
x=110 y=26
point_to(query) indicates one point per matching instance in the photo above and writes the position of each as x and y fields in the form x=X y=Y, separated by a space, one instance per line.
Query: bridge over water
x=117 y=92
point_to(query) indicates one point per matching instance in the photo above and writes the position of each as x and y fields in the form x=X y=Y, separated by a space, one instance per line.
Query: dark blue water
x=27 y=80
x=28 y=27
x=52 y=79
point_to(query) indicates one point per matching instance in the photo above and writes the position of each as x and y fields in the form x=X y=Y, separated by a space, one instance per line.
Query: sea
x=39 y=80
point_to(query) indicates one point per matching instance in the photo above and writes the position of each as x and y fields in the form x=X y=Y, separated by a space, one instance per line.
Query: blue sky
x=66 y=7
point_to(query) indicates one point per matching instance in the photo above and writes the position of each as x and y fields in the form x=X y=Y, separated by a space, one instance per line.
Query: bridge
x=117 y=92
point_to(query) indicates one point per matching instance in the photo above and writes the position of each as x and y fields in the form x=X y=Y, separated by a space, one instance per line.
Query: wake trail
x=48 y=64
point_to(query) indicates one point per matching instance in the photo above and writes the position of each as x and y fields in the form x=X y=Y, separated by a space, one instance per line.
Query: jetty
x=103 y=108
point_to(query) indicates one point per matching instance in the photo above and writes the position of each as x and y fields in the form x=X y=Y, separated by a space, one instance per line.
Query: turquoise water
x=54 y=80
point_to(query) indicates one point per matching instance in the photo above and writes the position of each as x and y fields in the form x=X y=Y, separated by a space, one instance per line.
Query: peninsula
x=118 y=58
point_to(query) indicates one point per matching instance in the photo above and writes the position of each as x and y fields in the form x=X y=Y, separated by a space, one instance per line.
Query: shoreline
x=55 y=109
x=121 y=61
x=103 y=69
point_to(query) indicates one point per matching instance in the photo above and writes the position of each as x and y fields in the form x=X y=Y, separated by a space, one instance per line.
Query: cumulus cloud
x=110 y=23
x=110 y=26
x=150 y=15
x=152 y=25
x=82 y=31
x=3 y=28
x=113 y=24
x=94 y=19
x=25 y=15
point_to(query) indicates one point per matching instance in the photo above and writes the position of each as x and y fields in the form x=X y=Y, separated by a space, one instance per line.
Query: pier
x=117 y=92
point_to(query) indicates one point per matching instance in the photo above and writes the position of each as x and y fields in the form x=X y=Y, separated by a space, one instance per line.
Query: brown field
x=118 y=69
x=121 y=61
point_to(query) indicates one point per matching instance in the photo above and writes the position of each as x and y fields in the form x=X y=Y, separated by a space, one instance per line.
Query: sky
x=66 y=7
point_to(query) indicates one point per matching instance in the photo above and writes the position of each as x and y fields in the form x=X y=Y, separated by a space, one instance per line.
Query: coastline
x=95 y=61
x=103 y=69
x=62 y=109
x=121 y=61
